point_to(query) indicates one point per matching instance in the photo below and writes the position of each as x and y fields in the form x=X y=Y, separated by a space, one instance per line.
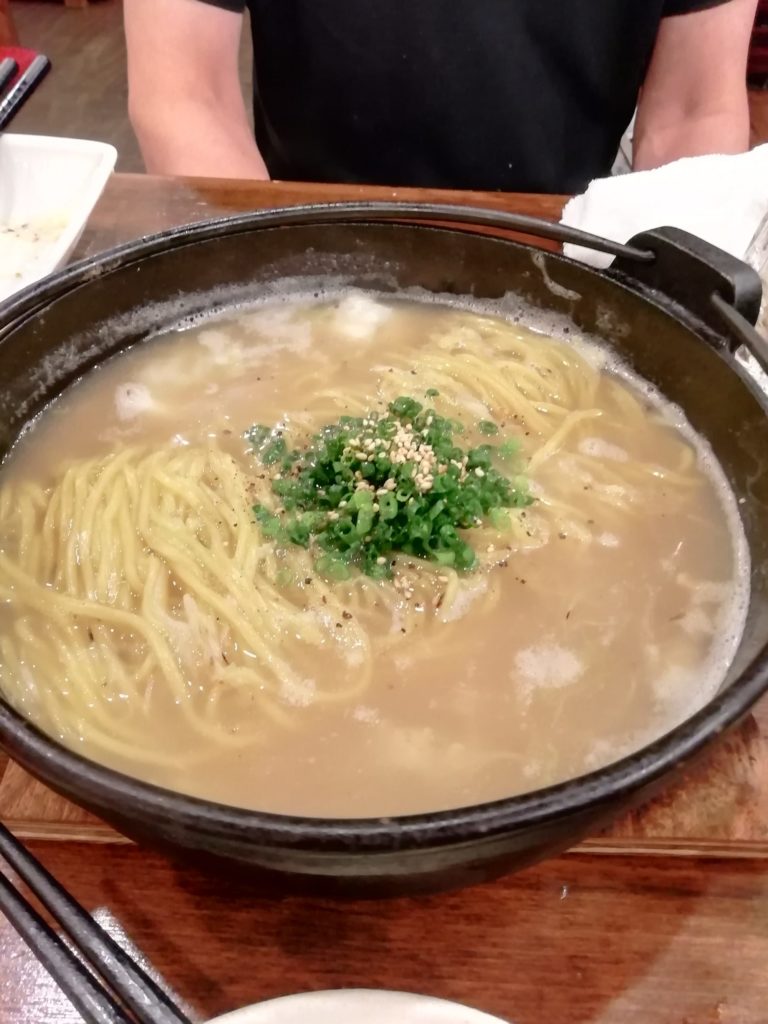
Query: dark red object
x=22 y=57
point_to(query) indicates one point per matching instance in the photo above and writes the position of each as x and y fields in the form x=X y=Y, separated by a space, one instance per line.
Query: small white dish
x=355 y=1005
x=48 y=187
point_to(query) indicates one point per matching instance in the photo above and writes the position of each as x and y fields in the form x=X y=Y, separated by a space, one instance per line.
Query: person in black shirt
x=520 y=95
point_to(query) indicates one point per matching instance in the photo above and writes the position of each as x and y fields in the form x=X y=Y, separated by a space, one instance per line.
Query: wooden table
x=7 y=31
x=583 y=939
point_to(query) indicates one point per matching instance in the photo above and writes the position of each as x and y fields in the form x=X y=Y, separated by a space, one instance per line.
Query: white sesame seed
x=479 y=472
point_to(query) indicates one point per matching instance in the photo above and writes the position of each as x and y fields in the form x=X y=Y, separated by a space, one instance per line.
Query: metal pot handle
x=479 y=216
x=721 y=290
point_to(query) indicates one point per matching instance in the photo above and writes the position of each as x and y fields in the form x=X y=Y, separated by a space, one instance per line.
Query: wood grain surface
x=7 y=28
x=578 y=940
x=134 y=205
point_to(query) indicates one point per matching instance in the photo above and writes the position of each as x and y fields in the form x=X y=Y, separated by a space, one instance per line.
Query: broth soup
x=359 y=555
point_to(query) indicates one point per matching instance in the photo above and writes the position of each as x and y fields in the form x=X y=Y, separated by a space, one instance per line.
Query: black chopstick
x=12 y=103
x=140 y=994
x=8 y=69
x=92 y=1002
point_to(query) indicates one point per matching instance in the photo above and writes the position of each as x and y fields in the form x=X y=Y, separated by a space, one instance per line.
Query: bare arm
x=184 y=94
x=694 y=99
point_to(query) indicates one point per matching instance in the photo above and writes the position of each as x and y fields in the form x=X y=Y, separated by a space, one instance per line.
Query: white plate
x=355 y=1006
x=48 y=187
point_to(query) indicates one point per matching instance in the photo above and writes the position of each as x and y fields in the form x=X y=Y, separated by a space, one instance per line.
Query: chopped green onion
x=364 y=521
x=500 y=519
x=285 y=577
x=387 y=506
x=333 y=568
x=405 y=408
x=257 y=434
x=355 y=497
x=509 y=449
x=274 y=451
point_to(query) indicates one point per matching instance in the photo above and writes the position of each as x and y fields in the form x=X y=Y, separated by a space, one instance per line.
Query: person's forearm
x=193 y=139
x=693 y=135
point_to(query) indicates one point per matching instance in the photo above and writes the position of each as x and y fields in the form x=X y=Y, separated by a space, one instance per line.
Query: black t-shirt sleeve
x=238 y=6
x=690 y=6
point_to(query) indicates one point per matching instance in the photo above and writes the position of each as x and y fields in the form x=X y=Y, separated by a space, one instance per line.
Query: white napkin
x=719 y=198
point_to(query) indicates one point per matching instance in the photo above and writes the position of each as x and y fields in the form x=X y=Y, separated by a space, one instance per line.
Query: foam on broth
x=562 y=654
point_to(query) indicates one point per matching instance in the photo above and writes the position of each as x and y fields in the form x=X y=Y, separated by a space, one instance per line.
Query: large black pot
x=676 y=309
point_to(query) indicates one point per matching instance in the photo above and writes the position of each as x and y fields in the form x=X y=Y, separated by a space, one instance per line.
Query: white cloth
x=719 y=198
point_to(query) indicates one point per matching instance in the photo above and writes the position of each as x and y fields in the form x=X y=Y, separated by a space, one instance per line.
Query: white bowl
x=354 y=1006
x=48 y=187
